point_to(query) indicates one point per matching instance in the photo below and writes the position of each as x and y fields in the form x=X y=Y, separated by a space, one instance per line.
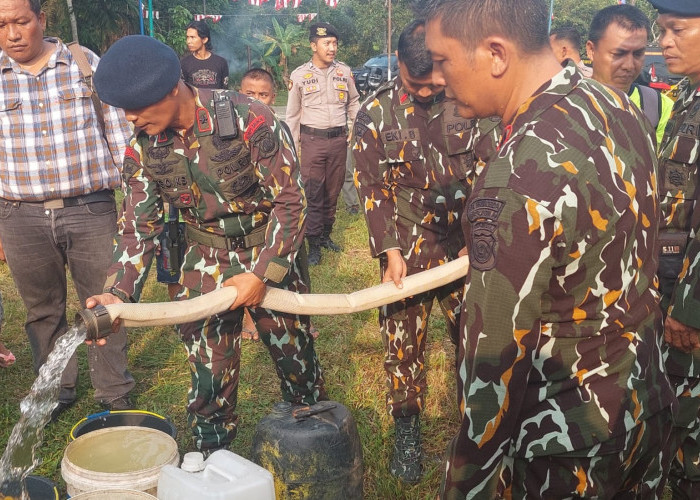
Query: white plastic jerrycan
x=222 y=476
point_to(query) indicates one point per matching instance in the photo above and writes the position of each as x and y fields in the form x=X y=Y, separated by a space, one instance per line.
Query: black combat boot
x=314 y=250
x=406 y=464
x=327 y=242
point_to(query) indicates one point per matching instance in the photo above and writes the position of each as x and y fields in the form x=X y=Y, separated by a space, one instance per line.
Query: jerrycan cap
x=193 y=462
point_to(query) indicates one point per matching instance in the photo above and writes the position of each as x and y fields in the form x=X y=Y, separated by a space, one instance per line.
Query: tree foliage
x=251 y=36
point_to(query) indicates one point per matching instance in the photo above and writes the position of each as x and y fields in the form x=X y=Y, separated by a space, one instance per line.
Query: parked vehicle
x=373 y=73
x=654 y=73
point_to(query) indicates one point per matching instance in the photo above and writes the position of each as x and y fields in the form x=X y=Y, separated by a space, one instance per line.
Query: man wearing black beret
x=222 y=159
x=679 y=232
x=322 y=97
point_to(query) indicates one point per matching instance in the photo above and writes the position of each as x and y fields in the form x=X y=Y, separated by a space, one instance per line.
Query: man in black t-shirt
x=201 y=68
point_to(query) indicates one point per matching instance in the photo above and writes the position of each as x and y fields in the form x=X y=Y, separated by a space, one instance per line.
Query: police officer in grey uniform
x=322 y=97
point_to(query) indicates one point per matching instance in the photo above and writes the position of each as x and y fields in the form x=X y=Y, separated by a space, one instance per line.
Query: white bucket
x=114 y=495
x=117 y=458
x=222 y=476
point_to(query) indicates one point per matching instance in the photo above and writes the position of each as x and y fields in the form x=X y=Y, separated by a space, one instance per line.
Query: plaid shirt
x=51 y=144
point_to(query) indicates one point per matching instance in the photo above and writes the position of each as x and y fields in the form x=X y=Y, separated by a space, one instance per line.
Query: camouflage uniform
x=562 y=243
x=679 y=274
x=411 y=163
x=240 y=188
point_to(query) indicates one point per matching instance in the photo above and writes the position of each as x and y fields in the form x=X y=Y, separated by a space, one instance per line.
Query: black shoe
x=118 y=404
x=314 y=250
x=327 y=242
x=62 y=406
x=406 y=464
x=354 y=210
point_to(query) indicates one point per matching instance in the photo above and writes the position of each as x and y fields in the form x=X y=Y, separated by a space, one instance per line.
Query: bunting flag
x=303 y=17
x=283 y=4
x=332 y=3
x=214 y=17
x=156 y=14
x=257 y=3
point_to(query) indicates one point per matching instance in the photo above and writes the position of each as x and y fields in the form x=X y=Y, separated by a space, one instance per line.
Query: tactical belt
x=254 y=239
x=74 y=201
x=327 y=133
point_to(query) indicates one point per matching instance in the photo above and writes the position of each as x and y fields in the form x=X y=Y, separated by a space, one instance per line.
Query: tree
x=283 y=42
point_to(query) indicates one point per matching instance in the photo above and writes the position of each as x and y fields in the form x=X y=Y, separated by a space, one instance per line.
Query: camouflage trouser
x=214 y=350
x=631 y=466
x=404 y=327
x=684 y=477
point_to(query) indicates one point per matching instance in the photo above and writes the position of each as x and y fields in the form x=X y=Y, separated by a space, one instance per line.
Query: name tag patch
x=402 y=135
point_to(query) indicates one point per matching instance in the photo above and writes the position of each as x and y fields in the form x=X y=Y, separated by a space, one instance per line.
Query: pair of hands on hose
x=251 y=291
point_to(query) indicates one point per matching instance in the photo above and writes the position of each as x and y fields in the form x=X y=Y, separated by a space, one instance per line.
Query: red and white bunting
x=257 y=3
x=156 y=14
x=214 y=17
x=283 y=4
x=303 y=17
x=332 y=3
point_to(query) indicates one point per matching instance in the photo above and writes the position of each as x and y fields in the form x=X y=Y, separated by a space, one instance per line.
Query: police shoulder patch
x=483 y=214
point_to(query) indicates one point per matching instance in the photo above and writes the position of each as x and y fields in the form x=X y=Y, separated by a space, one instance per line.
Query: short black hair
x=412 y=51
x=628 y=17
x=203 y=32
x=568 y=33
x=35 y=6
x=259 y=74
x=525 y=22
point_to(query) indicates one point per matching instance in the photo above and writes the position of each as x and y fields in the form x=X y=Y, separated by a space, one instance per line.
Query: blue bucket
x=117 y=418
x=40 y=488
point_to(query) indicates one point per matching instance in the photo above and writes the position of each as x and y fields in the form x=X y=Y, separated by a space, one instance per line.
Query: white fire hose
x=163 y=313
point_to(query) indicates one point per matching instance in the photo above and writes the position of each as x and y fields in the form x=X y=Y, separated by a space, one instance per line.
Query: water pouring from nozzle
x=97 y=321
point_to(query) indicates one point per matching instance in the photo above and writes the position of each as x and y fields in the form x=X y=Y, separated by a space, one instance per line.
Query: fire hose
x=99 y=319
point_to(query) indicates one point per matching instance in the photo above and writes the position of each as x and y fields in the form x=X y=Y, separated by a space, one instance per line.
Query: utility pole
x=551 y=13
x=204 y=7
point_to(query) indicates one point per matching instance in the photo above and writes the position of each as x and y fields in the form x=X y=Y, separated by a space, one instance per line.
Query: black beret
x=689 y=8
x=322 y=30
x=136 y=71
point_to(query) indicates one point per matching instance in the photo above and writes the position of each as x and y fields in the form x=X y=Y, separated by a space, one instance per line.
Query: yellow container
x=125 y=457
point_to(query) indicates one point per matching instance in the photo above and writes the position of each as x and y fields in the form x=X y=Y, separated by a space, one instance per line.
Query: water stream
x=20 y=456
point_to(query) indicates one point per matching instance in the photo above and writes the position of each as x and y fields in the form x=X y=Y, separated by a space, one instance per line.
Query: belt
x=254 y=239
x=328 y=133
x=74 y=201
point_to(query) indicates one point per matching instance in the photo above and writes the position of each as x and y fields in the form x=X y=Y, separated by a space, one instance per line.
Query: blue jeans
x=39 y=243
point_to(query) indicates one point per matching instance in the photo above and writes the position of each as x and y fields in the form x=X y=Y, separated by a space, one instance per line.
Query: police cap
x=136 y=71
x=689 y=8
x=322 y=30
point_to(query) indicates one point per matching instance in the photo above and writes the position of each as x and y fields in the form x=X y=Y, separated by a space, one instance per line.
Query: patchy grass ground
x=349 y=346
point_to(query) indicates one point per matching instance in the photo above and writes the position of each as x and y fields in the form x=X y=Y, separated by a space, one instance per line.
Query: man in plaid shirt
x=57 y=208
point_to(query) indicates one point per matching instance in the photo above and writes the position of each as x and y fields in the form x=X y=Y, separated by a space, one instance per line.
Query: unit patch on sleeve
x=483 y=214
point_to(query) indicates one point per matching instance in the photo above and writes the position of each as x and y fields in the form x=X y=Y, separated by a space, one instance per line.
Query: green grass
x=349 y=346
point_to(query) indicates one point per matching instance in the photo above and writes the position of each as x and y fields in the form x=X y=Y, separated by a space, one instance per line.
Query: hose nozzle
x=97 y=320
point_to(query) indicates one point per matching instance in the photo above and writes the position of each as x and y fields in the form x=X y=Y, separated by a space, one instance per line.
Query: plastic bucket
x=135 y=418
x=123 y=457
x=113 y=495
x=40 y=488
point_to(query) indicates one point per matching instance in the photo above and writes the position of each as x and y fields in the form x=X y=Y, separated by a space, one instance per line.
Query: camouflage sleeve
x=685 y=303
x=510 y=247
x=277 y=168
x=372 y=180
x=140 y=222
x=293 y=113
